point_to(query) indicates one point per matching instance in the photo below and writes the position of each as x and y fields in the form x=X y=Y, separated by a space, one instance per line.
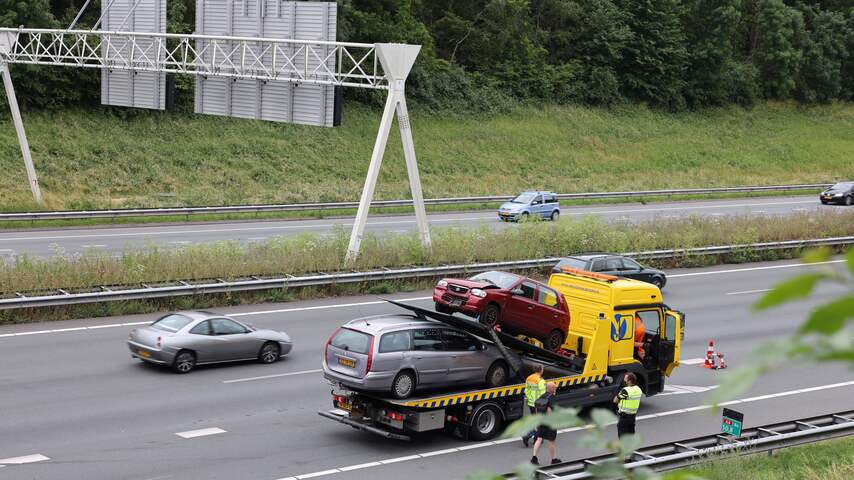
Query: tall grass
x=831 y=460
x=312 y=253
x=97 y=159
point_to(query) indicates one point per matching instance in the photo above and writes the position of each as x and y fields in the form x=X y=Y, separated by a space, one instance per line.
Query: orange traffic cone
x=710 y=356
x=722 y=362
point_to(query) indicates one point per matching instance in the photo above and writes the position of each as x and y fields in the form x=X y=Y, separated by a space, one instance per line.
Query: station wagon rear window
x=352 y=341
x=171 y=323
x=573 y=263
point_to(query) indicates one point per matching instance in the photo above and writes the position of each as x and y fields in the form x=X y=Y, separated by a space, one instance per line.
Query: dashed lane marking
x=747 y=292
x=265 y=377
x=204 y=432
x=22 y=460
x=448 y=451
x=692 y=361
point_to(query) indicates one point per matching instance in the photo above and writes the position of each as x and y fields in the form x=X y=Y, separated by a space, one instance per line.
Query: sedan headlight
x=837 y=195
x=442 y=283
x=478 y=292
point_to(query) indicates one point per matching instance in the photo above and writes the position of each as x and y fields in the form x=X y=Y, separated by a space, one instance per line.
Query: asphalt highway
x=74 y=405
x=113 y=240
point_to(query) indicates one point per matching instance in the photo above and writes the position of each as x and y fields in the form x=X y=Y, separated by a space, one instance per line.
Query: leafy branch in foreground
x=822 y=337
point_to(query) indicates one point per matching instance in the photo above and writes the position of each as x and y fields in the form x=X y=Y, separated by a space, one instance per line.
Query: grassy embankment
x=831 y=460
x=93 y=159
x=311 y=253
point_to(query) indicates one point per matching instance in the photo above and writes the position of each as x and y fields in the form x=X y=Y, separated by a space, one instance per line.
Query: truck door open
x=671 y=339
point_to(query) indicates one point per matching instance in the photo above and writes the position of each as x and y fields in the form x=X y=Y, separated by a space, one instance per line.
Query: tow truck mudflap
x=361 y=426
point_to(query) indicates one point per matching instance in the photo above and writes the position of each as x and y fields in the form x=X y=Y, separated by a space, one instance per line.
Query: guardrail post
x=19 y=129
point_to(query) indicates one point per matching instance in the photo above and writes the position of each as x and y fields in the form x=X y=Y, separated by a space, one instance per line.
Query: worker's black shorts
x=546 y=433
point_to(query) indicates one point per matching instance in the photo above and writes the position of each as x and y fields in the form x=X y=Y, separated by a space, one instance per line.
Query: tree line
x=483 y=55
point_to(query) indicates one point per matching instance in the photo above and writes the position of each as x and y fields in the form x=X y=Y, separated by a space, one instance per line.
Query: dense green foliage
x=484 y=54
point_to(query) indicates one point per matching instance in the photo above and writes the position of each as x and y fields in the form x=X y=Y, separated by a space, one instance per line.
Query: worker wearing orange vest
x=640 y=331
x=535 y=387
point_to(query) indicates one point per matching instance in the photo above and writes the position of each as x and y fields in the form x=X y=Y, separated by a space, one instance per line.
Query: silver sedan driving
x=183 y=340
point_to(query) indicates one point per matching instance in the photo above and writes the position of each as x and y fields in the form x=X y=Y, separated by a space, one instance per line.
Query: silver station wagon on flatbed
x=399 y=354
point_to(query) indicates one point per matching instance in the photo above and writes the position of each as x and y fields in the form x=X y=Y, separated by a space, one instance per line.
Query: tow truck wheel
x=403 y=385
x=486 y=422
x=497 y=375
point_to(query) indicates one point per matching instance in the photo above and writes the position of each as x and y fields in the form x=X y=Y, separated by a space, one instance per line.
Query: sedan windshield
x=499 y=279
x=525 y=198
x=171 y=323
x=842 y=186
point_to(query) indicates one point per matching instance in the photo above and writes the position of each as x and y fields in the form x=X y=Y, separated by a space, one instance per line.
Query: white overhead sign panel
x=133 y=88
x=279 y=101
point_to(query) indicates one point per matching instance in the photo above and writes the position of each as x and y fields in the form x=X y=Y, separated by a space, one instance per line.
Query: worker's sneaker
x=525 y=441
x=535 y=460
x=556 y=460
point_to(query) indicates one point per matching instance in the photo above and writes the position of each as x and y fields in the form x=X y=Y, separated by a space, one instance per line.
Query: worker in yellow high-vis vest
x=628 y=402
x=535 y=387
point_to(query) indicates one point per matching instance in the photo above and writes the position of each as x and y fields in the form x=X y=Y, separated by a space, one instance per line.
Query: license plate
x=456 y=302
x=347 y=362
x=143 y=353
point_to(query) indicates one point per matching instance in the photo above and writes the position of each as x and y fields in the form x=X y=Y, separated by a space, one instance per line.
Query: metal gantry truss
x=300 y=61
x=359 y=65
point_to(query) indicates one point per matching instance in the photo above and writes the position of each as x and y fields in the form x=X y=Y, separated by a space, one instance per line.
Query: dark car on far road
x=617 y=265
x=183 y=340
x=841 y=193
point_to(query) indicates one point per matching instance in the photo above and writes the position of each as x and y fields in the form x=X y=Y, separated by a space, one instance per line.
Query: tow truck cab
x=605 y=303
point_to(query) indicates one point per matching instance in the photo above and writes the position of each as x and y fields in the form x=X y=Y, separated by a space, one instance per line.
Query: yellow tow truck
x=599 y=350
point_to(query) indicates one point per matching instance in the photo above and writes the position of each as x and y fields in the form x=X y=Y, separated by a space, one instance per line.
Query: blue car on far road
x=530 y=204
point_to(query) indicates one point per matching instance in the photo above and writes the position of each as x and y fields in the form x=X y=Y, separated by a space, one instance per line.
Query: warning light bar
x=589 y=274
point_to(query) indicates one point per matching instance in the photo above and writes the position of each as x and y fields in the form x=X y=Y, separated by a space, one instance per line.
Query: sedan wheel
x=658 y=282
x=269 y=353
x=490 y=315
x=555 y=341
x=185 y=362
x=403 y=385
x=849 y=200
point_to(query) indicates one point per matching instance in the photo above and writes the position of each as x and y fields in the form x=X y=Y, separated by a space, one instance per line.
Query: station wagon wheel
x=554 y=340
x=490 y=315
x=185 y=362
x=497 y=375
x=403 y=385
x=658 y=282
x=269 y=353
x=849 y=200
x=555 y=215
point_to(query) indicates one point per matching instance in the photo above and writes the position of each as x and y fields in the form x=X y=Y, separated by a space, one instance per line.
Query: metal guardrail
x=111 y=294
x=679 y=454
x=296 y=207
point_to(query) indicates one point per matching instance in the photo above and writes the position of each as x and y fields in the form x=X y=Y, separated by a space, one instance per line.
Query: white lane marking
x=93 y=246
x=25 y=459
x=203 y=432
x=692 y=361
x=747 y=292
x=324 y=307
x=753 y=269
x=563 y=431
x=653 y=208
x=289 y=374
x=684 y=389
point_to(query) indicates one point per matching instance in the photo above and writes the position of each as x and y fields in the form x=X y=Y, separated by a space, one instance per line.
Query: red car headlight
x=478 y=292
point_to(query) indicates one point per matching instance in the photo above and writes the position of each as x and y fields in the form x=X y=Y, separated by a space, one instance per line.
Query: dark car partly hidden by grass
x=183 y=340
x=841 y=193
x=520 y=305
x=617 y=265
x=400 y=354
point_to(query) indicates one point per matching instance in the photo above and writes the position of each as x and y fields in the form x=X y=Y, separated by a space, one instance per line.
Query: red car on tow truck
x=520 y=305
